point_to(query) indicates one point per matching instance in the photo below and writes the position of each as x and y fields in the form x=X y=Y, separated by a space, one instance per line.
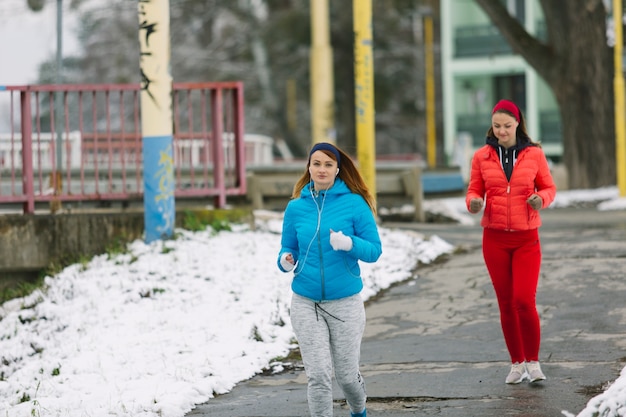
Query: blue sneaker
x=363 y=414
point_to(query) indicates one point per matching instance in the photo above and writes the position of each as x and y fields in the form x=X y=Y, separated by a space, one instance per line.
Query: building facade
x=479 y=68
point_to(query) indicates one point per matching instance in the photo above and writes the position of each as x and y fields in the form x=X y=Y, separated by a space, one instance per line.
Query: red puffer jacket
x=505 y=201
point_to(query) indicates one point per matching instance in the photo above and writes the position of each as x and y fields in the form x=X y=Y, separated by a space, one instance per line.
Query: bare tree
x=576 y=62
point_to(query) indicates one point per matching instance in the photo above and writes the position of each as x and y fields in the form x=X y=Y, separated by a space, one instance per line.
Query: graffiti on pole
x=146 y=29
x=159 y=190
x=165 y=192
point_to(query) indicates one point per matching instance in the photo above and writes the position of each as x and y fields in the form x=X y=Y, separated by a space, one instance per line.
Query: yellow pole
x=618 y=85
x=322 y=93
x=430 y=92
x=364 y=91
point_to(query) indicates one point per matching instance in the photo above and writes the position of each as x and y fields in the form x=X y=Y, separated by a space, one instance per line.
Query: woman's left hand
x=535 y=201
x=339 y=241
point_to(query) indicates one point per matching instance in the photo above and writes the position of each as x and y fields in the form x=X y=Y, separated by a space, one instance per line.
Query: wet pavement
x=433 y=344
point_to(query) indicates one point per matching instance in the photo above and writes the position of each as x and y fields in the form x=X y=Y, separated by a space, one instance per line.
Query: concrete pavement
x=433 y=344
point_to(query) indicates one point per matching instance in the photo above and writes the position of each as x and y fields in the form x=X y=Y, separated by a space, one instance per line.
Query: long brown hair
x=348 y=172
x=520 y=133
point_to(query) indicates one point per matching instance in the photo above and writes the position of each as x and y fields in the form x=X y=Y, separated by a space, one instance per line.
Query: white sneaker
x=517 y=373
x=534 y=372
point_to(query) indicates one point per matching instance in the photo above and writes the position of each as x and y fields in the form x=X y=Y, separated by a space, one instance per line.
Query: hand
x=535 y=201
x=476 y=204
x=286 y=261
x=339 y=241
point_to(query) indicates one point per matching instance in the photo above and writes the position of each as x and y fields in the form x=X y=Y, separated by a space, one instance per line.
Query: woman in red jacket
x=511 y=178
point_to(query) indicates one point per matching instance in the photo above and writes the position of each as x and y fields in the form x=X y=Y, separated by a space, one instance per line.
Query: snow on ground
x=161 y=327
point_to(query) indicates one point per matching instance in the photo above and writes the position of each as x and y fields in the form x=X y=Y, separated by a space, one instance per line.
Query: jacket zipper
x=508 y=196
x=319 y=248
x=508 y=193
x=322 y=277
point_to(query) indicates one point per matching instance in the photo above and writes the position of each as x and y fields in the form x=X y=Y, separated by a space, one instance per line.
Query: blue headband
x=323 y=146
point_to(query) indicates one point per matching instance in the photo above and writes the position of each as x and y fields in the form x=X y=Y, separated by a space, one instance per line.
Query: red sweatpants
x=513 y=260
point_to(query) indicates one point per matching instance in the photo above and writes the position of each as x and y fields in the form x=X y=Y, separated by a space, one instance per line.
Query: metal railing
x=486 y=41
x=89 y=147
x=479 y=41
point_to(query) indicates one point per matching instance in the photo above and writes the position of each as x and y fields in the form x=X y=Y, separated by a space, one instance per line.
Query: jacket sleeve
x=544 y=181
x=289 y=239
x=366 y=244
x=476 y=186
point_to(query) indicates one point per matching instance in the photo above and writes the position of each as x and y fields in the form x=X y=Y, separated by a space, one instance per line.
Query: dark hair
x=520 y=133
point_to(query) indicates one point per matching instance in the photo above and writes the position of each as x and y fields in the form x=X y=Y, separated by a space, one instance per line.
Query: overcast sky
x=27 y=39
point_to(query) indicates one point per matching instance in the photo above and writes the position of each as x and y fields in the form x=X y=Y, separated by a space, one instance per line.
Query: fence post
x=27 y=155
x=217 y=114
x=240 y=146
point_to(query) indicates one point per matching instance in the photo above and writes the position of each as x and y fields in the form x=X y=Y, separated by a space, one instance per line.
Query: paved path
x=433 y=345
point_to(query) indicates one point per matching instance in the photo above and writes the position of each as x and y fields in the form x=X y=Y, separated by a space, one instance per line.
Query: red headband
x=508 y=106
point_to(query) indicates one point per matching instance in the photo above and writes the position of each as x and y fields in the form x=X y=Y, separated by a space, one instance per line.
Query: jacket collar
x=521 y=144
x=339 y=187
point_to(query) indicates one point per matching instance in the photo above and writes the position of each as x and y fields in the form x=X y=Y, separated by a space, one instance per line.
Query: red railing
x=84 y=143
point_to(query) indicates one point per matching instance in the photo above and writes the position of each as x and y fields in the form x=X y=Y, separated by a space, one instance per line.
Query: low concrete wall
x=32 y=243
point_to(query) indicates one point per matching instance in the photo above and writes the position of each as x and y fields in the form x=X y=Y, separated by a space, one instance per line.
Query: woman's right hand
x=287 y=262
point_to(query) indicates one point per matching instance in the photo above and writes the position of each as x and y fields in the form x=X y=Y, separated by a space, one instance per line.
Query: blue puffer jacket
x=322 y=273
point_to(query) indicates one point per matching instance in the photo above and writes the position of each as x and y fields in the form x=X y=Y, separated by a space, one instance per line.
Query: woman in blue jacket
x=328 y=227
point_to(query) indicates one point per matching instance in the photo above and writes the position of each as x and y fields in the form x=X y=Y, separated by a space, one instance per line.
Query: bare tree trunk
x=582 y=82
x=576 y=63
x=588 y=119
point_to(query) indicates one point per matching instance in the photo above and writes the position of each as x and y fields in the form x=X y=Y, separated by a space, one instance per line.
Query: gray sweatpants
x=329 y=335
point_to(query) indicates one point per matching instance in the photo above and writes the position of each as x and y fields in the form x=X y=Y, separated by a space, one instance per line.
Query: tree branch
x=538 y=54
